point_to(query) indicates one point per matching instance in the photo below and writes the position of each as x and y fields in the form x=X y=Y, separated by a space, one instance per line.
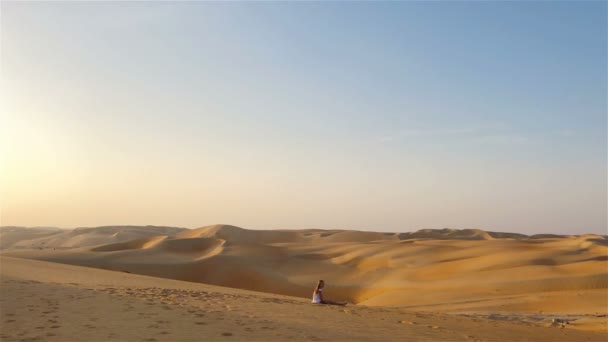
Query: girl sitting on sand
x=317 y=296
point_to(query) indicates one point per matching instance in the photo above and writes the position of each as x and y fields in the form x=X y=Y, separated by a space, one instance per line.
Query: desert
x=292 y=170
x=443 y=284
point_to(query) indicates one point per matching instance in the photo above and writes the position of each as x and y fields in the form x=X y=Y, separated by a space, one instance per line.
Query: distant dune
x=10 y=236
x=22 y=237
x=447 y=270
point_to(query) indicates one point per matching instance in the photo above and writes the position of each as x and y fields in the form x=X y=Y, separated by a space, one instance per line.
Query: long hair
x=319 y=285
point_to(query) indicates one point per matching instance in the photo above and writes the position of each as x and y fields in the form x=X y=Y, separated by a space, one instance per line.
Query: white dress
x=316 y=297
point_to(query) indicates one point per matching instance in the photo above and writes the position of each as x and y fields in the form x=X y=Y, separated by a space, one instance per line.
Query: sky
x=384 y=116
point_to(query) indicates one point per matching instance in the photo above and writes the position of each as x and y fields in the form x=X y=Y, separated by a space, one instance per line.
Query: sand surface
x=44 y=301
x=470 y=275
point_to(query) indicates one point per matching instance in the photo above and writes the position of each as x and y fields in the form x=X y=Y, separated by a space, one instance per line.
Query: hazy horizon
x=390 y=116
x=291 y=228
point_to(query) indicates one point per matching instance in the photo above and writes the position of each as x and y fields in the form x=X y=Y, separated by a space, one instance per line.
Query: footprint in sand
x=226 y=334
x=200 y=323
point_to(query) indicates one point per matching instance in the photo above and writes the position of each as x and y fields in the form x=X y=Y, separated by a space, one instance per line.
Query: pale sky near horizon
x=360 y=115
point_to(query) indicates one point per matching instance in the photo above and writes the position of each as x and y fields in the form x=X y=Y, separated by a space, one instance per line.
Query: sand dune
x=10 y=236
x=458 y=271
x=27 y=238
x=44 y=301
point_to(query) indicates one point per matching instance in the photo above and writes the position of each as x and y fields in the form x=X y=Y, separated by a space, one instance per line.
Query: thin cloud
x=503 y=139
x=491 y=133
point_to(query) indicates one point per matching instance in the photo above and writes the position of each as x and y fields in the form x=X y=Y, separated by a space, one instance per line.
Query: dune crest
x=131 y=244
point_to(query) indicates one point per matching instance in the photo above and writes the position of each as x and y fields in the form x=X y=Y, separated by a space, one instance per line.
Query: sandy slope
x=44 y=301
x=28 y=238
x=10 y=236
x=470 y=272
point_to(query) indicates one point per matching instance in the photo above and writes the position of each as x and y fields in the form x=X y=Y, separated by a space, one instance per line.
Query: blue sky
x=381 y=116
